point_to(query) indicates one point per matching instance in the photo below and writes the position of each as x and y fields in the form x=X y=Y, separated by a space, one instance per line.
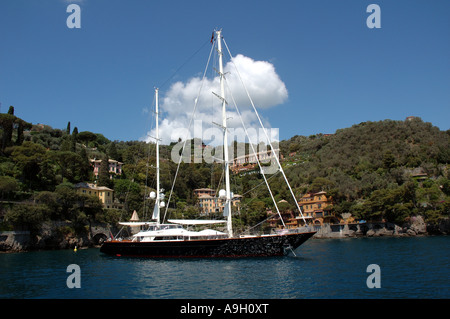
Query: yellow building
x=204 y=191
x=316 y=208
x=105 y=194
x=209 y=203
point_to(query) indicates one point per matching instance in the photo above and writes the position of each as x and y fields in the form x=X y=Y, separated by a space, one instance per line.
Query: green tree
x=83 y=169
x=8 y=185
x=74 y=140
x=29 y=157
x=72 y=166
x=103 y=173
x=389 y=160
x=393 y=204
x=66 y=144
x=255 y=212
x=284 y=206
x=429 y=196
x=20 y=137
x=112 y=151
x=101 y=140
x=21 y=126
x=52 y=201
x=321 y=184
x=90 y=206
x=123 y=188
x=446 y=186
x=6 y=124
x=86 y=137
x=67 y=199
x=27 y=216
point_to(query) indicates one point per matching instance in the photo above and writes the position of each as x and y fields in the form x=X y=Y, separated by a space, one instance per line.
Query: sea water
x=413 y=267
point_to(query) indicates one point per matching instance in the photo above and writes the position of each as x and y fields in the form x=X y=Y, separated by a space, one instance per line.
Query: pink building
x=115 y=167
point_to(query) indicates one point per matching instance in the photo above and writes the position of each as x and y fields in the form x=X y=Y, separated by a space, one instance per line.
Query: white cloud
x=262 y=82
x=176 y=106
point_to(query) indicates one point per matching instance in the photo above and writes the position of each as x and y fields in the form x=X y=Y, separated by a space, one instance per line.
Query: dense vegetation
x=369 y=169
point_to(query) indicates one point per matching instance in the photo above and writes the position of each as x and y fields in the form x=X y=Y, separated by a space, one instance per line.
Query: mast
x=227 y=207
x=157 y=202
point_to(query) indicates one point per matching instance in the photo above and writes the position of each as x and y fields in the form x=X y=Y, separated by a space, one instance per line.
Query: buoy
x=75 y=249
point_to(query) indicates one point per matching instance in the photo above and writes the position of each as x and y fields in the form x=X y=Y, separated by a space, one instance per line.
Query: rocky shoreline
x=415 y=227
x=62 y=235
x=52 y=236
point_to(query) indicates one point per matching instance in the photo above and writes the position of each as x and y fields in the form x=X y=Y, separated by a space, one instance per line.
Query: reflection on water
x=410 y=268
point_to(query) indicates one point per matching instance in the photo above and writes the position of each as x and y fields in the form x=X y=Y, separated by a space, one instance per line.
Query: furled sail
x=196 y=221
x=155 y=212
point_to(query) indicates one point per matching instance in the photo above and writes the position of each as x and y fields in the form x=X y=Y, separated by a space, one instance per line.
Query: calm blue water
x=335 y=268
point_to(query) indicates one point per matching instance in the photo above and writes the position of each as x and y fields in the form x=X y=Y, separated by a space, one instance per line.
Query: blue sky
x=336 y=70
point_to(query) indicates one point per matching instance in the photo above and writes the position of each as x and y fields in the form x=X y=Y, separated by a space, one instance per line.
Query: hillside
x=370 y=169
x=373 y=168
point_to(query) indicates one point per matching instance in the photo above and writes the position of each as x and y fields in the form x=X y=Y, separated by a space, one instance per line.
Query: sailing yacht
x=173 y=240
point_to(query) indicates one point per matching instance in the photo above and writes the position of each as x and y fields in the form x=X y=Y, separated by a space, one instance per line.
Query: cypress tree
x=103 y=173
x=74 y=139
x=7 y=124
x=85 y=167
x=19 y=140
x=112 y=151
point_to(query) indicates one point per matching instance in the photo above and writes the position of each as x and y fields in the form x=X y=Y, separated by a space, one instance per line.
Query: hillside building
x=105 y=194
x=316 y=207
x=115 y=167
x=210 y=204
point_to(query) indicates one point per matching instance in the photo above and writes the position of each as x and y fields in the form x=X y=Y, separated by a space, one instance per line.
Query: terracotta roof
x=93 y=186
